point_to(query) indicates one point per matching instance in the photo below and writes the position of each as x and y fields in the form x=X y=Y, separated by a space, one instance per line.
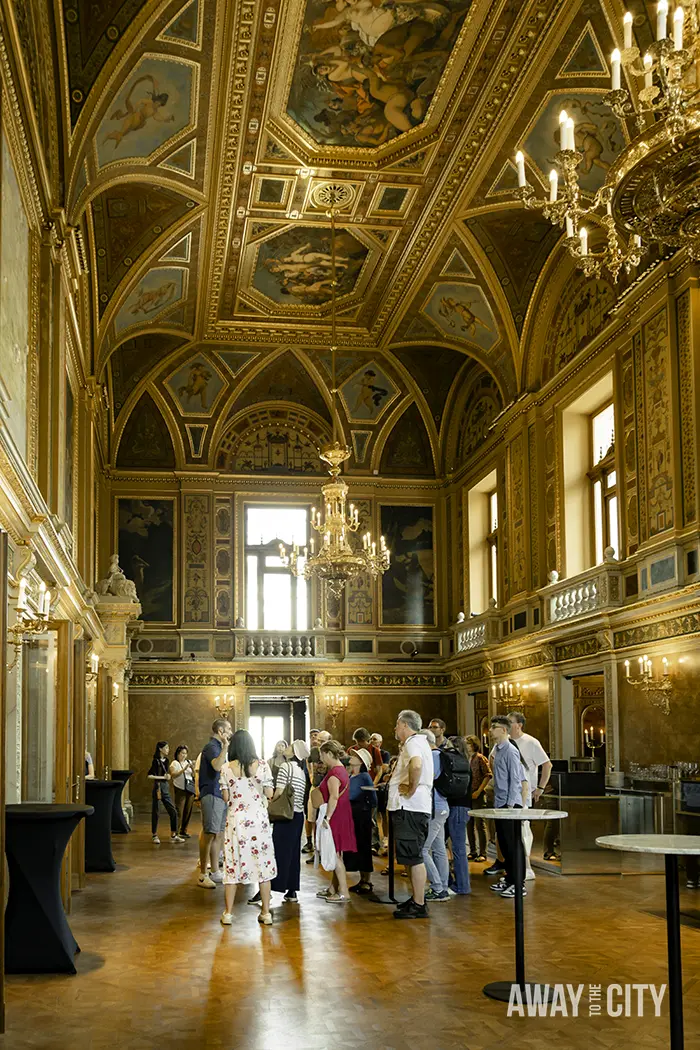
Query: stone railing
x=294 y=645
x=589 y=592
x=476 y=632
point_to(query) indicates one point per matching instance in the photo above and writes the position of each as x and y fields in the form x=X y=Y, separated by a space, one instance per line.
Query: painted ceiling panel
x=434 y=370
x=407 y=450
x=133 y=360
x=284 y=379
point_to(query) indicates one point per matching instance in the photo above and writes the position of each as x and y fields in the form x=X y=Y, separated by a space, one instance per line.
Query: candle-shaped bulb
x=648 y=72
x=520 y=165
x=678 y=16
x=553 y=185
x=583 y=237
x=661 y=19
x=569 y=226
x=47 y=604
x=22 y=596
x=627 y=668
x=570 y=134
x=627 y=29
x=641 y=664
x=563 y=117
x=615 y=66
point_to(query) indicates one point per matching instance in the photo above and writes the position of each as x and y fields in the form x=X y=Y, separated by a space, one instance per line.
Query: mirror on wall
x=39 y=718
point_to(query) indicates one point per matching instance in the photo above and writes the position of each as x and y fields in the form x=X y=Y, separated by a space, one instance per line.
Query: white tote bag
x=325 y=846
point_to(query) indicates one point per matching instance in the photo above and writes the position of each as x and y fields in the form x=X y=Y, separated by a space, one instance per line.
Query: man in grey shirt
x=510 y=790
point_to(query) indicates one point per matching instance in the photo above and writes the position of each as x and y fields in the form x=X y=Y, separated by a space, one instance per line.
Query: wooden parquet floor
x=158 y=972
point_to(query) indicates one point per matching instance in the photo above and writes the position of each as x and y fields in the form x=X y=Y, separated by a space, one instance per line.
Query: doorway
x=274 y=718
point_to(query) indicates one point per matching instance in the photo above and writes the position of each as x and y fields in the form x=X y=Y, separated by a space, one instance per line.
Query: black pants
x=184 y=801
x=509 y=835
x=286 y=836
x=170 y=809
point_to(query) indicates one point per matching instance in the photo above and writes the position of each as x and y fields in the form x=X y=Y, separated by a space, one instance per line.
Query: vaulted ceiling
x=195 y=133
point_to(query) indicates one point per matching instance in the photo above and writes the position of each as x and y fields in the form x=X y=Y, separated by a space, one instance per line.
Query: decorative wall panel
x=551 y=500
x=14 y=302
x=629 y=454
x=534 y=503
x=641 y=430
x=223 y=560
x=360 y=591
x=196 y=513
x=518 y=556
x=687 y=401
x=659 y=435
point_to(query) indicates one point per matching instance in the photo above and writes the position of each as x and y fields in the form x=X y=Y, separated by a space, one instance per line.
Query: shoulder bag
x=282 y=807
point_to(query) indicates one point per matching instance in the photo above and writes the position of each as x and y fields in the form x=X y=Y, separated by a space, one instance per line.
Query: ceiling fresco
x=196 y=133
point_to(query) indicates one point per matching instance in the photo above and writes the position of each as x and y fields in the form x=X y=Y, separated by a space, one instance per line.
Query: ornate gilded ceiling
x=194 y=133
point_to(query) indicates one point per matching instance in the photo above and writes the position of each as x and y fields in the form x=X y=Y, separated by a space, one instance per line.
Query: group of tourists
x=255 y=813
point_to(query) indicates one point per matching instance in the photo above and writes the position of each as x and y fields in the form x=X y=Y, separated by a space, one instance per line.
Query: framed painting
x=408 y=586
x=146 y=544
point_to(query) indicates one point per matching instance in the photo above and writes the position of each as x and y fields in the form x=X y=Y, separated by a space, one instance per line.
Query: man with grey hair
x=410 y=804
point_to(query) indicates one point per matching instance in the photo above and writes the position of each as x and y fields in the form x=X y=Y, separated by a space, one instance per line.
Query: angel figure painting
x=157 y=290
x=151 y=107
x=367 y=70
x=297 y=266
x=195 y=386
x=462 y=312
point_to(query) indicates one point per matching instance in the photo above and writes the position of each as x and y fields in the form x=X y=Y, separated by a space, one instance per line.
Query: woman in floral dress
x=249 y=854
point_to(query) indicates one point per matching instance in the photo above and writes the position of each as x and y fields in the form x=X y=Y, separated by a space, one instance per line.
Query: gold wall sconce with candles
x=658 y=688
x=590 y=741
x=510 y=693
x=94 y=667
x=335 y=706
x=29 y=623
x=224 y=705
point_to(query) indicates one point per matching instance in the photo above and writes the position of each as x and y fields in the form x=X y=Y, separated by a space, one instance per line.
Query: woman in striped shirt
x=286 y=834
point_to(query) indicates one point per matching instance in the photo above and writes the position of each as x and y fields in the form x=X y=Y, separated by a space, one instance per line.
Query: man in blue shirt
x=211 y=762
x=510 y=790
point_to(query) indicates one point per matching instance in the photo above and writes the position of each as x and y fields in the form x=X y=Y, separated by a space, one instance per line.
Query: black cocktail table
x=38 y=938
x=120 y=825
x=98 y=828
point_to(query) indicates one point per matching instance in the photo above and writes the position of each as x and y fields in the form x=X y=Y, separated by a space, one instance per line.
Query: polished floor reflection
x=157 y=970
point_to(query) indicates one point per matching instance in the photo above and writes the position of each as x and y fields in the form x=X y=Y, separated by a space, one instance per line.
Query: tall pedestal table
x=672 y=847
x=501 y=990
x=120 y=825
x=38 y=938
x=98 y=828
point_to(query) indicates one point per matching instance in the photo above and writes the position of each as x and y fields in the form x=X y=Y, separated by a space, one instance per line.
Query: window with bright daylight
x=275 y=599
x=492 y=541
x=603 y=478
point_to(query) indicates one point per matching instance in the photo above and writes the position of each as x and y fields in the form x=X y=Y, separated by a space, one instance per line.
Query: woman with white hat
x=286 y=834
x=363 y=799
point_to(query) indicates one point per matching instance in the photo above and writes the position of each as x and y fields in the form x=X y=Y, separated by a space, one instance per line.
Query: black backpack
x=455 y=780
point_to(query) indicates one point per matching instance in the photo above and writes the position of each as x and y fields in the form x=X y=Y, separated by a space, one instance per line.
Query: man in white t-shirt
x=534 y=756
x=411 y=804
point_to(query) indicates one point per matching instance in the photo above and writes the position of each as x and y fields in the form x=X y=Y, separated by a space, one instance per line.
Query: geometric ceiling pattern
x=196 y=132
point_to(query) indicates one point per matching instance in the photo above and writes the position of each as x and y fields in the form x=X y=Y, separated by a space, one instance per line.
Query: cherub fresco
x=197 y=384
x=369 y=395
x=298 y=264
x=153 y=299
x=136 y=115
x=368 y=69
x=466 y=320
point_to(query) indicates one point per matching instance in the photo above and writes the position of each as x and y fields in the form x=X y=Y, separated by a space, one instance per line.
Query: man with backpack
x=454 y=784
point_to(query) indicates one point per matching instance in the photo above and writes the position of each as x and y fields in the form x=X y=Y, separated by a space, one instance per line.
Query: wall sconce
x=656 y=688
x=224 y=704
x=589 y=739
x=335 y=705
x=115 y=692
x=26 y=624
x=509 y=693
x=91 y=675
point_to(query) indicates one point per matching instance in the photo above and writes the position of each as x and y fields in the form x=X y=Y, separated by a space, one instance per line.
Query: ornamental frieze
x=519 y=663
x=652 y=632
x=415 y=680
x=166 y=678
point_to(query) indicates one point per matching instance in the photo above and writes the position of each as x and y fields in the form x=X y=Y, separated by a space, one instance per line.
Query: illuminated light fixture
x=657 y=688
x=336 y=560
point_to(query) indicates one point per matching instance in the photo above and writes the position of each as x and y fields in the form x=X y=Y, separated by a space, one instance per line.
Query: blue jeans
x=435 y=853
x=457 y=828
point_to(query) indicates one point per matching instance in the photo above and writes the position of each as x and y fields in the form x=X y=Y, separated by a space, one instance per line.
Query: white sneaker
x=226 y=918
x=177 y=838
x=216 y=876
x=530 y=875
x=156 y=840
x=205 y=881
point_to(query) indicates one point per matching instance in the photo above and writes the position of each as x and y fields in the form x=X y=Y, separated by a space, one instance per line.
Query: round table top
x=42 y=810
x=505 y=813
x=683 y=845
x=94 y=782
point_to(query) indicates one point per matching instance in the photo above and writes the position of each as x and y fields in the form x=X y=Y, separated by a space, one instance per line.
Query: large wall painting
x=196 y=387
x=155 y=103
x=408 y=586
x=367 y=394
x=367 y=70
x=463 y=312
x=146 y=539
x=14 y=302
x=158 y=290
x=598 y=136
x=296 y=267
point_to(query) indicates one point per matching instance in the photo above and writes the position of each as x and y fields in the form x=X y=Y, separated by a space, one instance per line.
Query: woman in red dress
x=335 y=789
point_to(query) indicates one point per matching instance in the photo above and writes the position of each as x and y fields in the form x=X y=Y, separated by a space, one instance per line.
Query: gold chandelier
x=336 y=561
x=652 y=192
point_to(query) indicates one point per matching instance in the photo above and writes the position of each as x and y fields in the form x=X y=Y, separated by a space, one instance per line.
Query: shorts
x=410 y=835
x=213 y=814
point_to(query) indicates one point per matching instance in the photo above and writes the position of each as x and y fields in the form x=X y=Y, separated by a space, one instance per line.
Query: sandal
x=265 y=920
x=337 y=898
x=363 y=888
x=324 y=893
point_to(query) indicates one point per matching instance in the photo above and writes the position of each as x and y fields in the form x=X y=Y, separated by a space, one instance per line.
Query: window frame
x=599 y=473
x=492 y=550
x=262 y=551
